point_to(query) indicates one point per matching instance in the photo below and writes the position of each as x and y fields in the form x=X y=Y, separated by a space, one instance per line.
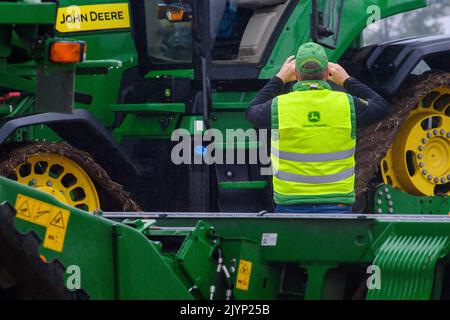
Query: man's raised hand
x=287 y=72
x=337 y=74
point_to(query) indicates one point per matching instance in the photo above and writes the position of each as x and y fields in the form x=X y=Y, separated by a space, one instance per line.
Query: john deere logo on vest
x=314 y=116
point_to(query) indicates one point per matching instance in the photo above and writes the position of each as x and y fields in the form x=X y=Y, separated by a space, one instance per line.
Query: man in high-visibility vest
x=314 y=131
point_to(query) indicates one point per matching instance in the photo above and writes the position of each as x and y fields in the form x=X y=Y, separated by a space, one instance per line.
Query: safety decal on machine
x=54 y=218
x=93 y=17
x=269 y=239
x=243 y=275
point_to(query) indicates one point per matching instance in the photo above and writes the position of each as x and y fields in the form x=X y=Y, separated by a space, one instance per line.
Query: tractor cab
x=236 y=37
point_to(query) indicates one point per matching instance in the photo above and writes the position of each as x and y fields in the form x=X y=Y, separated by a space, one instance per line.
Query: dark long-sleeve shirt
x=369 y=105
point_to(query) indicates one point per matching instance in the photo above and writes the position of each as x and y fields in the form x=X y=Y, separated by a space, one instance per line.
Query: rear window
x=434 y=19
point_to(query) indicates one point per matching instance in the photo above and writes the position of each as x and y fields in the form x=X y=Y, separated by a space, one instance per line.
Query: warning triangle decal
x=24 y=209
x=58 y=220
x=244 y=269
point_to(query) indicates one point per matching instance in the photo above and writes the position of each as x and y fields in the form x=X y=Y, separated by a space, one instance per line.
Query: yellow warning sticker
x=93 y=17
x=243 y=276
x=54 y=218
x=32 y=210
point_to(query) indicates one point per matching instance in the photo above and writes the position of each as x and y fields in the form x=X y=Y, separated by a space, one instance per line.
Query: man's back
x=313 y=146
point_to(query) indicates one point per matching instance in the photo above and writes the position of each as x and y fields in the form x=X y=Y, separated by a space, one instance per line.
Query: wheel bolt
x=33 y=182
x=436 y=180
x=442 y=132
x=443 y=180
x=391 y=210
x=435 y=132
x=448 y=177
x=388 y=196
x=448 y=134
x=424 y=172
x=421 y=148
x=49 y=183
x=380 y=210
x=424 y=140
x=379 y=202
x=429 y=135
x=420 y=156
x=421 y=164
x=430 y=177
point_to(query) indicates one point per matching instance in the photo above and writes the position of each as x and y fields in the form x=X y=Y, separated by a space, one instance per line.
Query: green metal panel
x=27 y=13
x=154 y=280
x=388 y=200
x=149 y=108
x=105 y=252
x=158 y=126
x=243 y=185
x=177 y=73
x=408 y=266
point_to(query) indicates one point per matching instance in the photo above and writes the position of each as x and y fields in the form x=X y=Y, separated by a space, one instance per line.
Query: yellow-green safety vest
x=313 y=145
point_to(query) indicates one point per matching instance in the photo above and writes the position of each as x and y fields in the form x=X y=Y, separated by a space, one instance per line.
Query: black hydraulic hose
x=212 y=288
x=229 y=291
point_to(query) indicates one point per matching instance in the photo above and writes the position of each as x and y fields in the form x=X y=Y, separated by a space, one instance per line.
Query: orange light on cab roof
x=67 y=51
x=175 y=15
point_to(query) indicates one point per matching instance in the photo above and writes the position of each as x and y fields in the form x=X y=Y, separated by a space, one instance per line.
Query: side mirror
x=326 y=21
x=175 y=12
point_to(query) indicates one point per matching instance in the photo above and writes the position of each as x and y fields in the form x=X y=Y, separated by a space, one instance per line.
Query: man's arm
x=370 y=107
x=259 y=113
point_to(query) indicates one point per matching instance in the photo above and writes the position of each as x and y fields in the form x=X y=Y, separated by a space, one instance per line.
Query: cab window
x=168 y=42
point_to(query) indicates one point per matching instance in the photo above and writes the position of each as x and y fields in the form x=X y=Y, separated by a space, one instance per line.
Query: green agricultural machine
x=96 y=95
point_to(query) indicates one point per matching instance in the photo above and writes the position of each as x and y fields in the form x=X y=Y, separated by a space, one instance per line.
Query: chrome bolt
x=424 y=140
x=379 y=202
x=448 y=134
x=430 y=177
x=386 y=190
x=421 y=164
x=380 y=210
x=229 y=174
x=49 y=183
x=380 y=193
x=448 y=177
x=424 y=172
x=429 y=135
x=421 y=148
x=391 y=210
x=33 y=182
x=435 y=132
x=443 y=180
x=420 y=156
x=388 y=196
x=442 y=131
x=391 y=203
x=436 y=180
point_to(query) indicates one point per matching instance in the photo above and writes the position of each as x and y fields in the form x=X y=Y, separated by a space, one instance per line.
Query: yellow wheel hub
x=419 y=160
x=61 y=177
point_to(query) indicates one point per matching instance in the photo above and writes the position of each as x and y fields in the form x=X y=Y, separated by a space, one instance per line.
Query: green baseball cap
x=311 y=52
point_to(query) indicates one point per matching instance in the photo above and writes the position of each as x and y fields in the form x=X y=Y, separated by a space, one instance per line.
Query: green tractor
x=143 y=70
